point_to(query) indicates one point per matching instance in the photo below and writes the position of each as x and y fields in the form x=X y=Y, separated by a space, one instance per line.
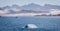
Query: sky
x=25 y=2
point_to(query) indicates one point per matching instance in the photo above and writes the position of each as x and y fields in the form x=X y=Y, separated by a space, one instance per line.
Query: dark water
x=45 y=23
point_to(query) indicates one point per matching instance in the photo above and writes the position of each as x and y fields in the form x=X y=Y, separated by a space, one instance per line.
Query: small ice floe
x=30 y=26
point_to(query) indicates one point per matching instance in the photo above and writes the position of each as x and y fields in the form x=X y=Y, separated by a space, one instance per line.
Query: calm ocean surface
x=45 y=23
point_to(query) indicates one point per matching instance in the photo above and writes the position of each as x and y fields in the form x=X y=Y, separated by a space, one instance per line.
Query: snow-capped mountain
x=29 y=8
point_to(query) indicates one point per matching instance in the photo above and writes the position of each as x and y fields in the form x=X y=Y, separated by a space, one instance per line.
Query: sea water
x=44 y=23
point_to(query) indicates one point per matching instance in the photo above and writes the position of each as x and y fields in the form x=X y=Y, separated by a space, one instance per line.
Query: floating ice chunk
x=31 y=26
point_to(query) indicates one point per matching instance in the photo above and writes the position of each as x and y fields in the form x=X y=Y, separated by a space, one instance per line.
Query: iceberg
x=30 y=26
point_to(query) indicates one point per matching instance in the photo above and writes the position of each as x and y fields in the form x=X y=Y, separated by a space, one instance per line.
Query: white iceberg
x=30 y=26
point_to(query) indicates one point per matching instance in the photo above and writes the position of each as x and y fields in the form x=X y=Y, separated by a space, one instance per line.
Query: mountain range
x=29 y=8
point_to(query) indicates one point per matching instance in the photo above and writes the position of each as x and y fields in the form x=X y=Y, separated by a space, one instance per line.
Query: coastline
x=31 y=15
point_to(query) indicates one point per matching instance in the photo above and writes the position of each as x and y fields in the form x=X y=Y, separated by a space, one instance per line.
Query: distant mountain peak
x=33 y=4
x=15 y=6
